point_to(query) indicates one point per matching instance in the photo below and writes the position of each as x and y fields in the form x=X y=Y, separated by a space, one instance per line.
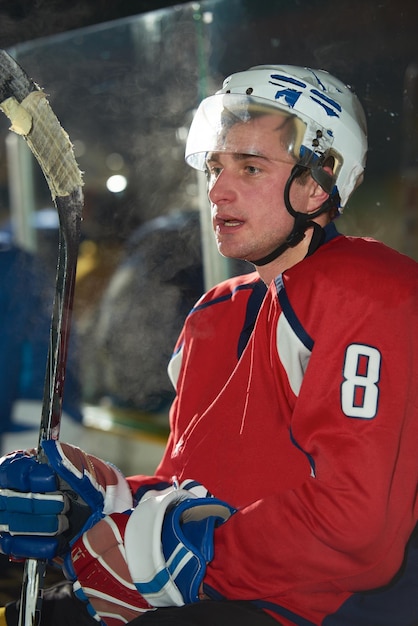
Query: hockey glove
x=98 y=568
x=169 y=540
x=45 y=507
x=156 y=556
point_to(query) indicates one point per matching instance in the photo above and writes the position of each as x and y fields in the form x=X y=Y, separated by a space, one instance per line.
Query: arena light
x=116 y=183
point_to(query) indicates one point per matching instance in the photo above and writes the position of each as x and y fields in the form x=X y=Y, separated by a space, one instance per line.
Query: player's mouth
x=223 y=223
x=232 y=222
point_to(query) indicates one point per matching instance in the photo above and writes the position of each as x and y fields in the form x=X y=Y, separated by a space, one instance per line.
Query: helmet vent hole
x=249 y=91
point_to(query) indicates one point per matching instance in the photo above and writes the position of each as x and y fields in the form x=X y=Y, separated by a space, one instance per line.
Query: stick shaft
x=31 y=116
x=31 y=593
x=61 y=317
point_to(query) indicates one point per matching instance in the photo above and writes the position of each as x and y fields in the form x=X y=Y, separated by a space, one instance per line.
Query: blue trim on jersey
x=291 y=316
x=331 y=232
x=178 y=349
x=255 y=300
x=262 y=604
x=227 y=296
x=253 y=307
x=280 y=610
x=395 y=604
x=308 y=456
x=212 y=593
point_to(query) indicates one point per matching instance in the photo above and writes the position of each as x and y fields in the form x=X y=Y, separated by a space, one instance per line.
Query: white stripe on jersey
x=293 y=354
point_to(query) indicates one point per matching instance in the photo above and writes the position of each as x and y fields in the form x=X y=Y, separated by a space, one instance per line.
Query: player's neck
x=285 y=261
x=291 y=256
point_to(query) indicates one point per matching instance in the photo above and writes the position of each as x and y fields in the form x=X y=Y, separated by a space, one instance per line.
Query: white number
x=359 y=391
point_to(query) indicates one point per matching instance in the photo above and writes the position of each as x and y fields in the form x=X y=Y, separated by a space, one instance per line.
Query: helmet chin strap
x=302 y=222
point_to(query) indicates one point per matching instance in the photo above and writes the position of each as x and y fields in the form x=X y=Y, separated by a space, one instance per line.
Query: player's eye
x=212 y=171
x=252 y=169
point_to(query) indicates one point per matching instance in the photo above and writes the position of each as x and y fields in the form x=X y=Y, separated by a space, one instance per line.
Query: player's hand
x=153 y=556
x=46 y=506
x=101 y=578
x=169 y=540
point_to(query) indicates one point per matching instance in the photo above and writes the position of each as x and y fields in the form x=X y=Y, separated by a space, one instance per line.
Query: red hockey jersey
x=298 y=405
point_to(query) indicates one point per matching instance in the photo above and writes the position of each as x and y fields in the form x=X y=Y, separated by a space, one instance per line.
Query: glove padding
x=155 y=556
x=45 y=507
x=97 y=566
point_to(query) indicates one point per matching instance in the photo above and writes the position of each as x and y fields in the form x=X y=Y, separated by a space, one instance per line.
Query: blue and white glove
x=169 y=539
x=45 y=507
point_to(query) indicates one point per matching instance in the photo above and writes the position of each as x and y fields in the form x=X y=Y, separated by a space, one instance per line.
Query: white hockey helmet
x=333 y=122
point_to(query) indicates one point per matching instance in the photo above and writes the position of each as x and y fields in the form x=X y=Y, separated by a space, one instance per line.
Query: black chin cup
x=302 y=221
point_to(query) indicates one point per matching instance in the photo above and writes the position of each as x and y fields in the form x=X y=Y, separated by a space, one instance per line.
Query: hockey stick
x=26 y=106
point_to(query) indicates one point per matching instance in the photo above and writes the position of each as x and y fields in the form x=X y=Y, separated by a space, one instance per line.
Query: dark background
x=368 y=44
x=24 y=20
x=371 y=45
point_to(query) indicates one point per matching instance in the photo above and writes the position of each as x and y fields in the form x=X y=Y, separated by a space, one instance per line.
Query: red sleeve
x=163 y=475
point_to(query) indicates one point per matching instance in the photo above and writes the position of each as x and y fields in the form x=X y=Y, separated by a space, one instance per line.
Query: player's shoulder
x=363 y=259
x=348 y=274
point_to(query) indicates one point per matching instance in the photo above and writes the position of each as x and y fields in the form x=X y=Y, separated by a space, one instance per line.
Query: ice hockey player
x=288 y=490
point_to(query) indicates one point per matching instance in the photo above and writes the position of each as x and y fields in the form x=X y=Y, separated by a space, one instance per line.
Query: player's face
x=246 y=190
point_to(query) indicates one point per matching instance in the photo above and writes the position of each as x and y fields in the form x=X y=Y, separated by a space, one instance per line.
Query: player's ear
x=317 y=195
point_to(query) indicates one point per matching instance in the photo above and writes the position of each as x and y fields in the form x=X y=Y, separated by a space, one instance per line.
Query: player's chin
x=231 y=248
x=231 y=252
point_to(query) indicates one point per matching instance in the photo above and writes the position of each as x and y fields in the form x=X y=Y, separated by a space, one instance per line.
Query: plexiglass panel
x=126 y=91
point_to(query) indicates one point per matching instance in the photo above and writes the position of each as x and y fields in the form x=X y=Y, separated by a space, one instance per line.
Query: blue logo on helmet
x=291 y=94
